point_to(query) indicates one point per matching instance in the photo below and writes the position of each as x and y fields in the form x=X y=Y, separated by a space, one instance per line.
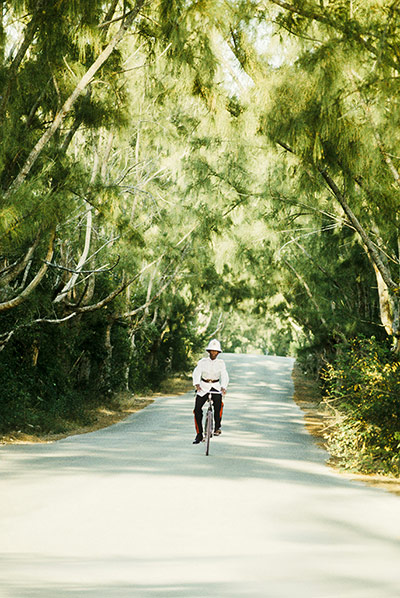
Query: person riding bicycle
x=209 y=375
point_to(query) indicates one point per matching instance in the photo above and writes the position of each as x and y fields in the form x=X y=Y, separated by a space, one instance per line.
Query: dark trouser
x=198 y=410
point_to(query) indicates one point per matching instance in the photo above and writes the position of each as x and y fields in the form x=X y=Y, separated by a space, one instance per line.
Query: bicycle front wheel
x=208 y=431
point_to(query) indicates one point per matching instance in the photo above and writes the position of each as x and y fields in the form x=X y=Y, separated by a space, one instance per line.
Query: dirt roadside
x=308 y=397
x=120 y=407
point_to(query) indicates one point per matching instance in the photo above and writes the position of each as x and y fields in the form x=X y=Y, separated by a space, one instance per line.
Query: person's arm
x=224 y=380
x=197 y=376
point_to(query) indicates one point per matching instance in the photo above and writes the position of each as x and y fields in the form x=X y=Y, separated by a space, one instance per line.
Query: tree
x=99 y=233
x=322 y=106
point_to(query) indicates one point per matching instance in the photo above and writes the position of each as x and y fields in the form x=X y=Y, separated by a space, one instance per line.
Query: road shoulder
x=307 y=396
x=122 y=405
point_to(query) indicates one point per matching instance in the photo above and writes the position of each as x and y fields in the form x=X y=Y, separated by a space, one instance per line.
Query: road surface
x=137 y=511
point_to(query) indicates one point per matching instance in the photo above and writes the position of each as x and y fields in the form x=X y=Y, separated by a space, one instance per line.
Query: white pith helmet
x=214 y=345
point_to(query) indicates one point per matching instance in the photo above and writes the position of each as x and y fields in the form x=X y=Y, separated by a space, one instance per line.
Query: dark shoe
x=218 y=432
x=198 y=439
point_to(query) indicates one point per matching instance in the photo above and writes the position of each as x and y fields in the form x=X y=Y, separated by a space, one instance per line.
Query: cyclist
x=209 y=375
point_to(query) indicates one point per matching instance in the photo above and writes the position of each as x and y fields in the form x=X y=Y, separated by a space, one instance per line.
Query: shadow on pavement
x=263 y=437
x=309 y=532
x=348 y=586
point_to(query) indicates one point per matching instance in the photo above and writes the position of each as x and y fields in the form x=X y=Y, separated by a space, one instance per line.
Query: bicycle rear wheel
x=209 y=422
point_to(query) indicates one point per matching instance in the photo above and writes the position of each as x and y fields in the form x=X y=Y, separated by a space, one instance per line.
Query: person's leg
x=198 y=414
x=218 y=409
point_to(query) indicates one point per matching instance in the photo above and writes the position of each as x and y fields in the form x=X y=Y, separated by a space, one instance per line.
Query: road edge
x=307 y=396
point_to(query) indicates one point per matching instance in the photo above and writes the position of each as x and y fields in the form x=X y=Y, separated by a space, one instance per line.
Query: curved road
x=136 y=510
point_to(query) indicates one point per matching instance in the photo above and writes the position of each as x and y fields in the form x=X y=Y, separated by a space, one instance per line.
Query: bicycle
x=209 y=424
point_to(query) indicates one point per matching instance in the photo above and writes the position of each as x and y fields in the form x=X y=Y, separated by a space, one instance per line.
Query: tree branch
x=30 y=32
x=155 y=296
x=88 y=236
x=20 y=266
x=360 y=229
x=338 y=25
x=372 y=250
x=98 y=271
x=308 y=291
x=118 y=290
x=34 y=283
x=68 y=104
x=4 y=338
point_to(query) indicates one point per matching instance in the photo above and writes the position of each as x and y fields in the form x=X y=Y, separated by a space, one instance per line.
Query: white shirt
x=210 y=369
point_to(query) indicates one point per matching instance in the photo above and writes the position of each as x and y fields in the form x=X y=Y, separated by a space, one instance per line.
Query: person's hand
x=223 y=390
x=197 y=387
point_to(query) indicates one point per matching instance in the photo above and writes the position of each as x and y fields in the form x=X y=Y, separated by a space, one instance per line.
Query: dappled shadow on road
x=349 y=584
x=263 y=437
x=122 y=511
x=121 y=590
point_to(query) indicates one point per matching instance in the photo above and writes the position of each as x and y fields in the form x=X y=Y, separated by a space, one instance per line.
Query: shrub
x=362 y=390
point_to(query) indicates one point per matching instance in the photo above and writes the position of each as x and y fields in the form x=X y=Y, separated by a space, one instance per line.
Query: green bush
x=362 y=391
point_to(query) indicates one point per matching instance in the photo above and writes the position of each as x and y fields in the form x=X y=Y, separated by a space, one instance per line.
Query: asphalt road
x=136 y=510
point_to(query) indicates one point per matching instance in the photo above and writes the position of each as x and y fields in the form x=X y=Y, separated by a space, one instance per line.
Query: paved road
x=137 y=511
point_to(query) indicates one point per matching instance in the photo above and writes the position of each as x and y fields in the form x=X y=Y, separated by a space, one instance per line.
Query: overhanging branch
x=34 y=283
x=372 y=250
x=98 y=271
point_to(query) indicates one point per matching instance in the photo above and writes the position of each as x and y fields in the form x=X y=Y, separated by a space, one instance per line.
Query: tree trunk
x=385 y=302
x=106 y=366
x=127 y=367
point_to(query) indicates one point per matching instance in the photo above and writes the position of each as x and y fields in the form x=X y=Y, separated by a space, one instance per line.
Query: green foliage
x=162 y=348
x=38 y=391
x=362 y=390
x=189 y=176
